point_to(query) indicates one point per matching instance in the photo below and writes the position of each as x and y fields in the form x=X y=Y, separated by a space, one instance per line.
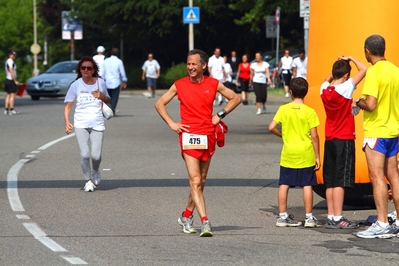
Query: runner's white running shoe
x=89 y=186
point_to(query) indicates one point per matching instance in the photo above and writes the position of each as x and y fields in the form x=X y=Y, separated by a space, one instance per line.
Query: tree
x=16 y=18
x=156 y=24
x=143 y=26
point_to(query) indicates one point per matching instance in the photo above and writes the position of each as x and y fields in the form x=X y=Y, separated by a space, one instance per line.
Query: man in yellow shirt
x=381 y=131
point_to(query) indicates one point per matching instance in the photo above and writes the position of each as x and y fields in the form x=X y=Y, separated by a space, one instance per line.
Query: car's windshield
x=64 y=67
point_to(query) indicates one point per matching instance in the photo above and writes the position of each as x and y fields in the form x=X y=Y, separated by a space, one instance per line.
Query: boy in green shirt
x=300 y=156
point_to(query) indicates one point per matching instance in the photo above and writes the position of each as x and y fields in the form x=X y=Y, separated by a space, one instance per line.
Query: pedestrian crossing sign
x=191 y=15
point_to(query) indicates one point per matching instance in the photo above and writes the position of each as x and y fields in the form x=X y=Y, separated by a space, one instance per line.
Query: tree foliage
x=16 y=32
x=138 y=27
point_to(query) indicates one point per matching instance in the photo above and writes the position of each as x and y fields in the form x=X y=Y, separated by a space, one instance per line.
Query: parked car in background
x=54 y=82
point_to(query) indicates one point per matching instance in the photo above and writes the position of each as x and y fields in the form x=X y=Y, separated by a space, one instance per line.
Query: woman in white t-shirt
x=260 y=77
x=89 y=91
x=229 y=72
x=285 y=68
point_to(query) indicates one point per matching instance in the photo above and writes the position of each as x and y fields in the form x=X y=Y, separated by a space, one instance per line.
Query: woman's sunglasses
x=86 y=67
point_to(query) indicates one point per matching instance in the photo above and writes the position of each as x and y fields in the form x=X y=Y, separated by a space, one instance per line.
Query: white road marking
x=40 y=235
x=12 y=186
x=23 y=217
x=45 y=146
x=74 y=260
x=16 y=206
x=29 y=156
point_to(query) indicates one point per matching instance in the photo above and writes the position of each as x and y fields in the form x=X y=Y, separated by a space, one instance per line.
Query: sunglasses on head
x=89 y=68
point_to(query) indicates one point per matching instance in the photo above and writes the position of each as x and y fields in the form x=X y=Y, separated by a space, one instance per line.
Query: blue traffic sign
x=191 y=15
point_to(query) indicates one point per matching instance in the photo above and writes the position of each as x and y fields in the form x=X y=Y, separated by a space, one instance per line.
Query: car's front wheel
x=35 y=98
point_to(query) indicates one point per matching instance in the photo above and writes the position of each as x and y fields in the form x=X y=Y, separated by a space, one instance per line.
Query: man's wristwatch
x=357 y=101
x=222 y=113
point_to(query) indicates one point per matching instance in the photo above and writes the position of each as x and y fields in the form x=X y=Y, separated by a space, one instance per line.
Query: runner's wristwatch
x=222 y=113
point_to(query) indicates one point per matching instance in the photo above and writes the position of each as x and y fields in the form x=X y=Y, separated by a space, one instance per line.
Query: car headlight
x=55 y=82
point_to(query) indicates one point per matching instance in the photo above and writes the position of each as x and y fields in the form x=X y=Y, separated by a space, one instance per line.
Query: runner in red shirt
x=243 y=75
x=196 y=130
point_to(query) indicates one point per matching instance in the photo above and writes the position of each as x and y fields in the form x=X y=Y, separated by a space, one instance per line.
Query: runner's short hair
x=375 y=44
x=203 y=56
x=299 y=87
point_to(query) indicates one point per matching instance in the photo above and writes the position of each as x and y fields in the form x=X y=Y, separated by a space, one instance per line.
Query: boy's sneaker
x=96 y=178
x=89 y=186
x=395 y=229
x=312 y=222
x=187 y=224
x=343 y=223
x=376 y=231
x=6 y=112
x=206 y=230
x=392 y=217
x=289 y=221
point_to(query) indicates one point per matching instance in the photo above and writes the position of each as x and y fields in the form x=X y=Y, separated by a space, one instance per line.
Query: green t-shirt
x=296 y=120
x=382 y=82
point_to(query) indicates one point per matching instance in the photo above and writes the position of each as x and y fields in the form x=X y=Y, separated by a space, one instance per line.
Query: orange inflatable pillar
x=340 y=27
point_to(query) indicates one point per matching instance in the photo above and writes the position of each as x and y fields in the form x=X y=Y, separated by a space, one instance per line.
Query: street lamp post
x=190 y=30
x=35 y=48
x=72 y=43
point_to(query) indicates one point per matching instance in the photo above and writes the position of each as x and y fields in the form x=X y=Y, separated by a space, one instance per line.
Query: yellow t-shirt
x=296 y=120
x=382 y=82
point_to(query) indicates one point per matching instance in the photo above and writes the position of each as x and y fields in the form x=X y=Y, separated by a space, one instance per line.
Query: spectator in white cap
x=99 y=59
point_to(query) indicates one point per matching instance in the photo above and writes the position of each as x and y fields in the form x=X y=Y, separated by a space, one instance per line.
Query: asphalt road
x=131 y=219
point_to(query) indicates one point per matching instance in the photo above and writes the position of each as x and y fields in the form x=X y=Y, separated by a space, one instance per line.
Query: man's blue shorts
x=387 y=146
x=151 y=82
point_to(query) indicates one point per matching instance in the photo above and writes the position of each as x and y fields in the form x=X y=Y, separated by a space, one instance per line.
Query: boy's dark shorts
x=339 y=163
x=294 y=177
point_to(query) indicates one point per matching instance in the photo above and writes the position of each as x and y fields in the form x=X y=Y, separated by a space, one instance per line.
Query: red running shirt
x=337 y=100
x=196 y=104
x=245 y=72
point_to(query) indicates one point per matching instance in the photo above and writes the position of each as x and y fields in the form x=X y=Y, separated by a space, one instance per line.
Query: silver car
x=54 y=82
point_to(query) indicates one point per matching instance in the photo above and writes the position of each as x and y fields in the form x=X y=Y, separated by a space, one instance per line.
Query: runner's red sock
x=187 y=213
x=204 y=219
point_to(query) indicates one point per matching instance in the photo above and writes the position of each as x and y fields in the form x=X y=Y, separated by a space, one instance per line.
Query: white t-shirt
x=10 y=63
x=216 y=64
x=259 y=72
x=88 y=110
x=99 y=59
x=228 y=70
x=286 y=63
x=150 y=68
x=301 y=66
